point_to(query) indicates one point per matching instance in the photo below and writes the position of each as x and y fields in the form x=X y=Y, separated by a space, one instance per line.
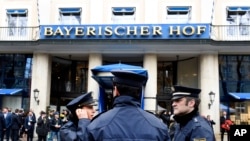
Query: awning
x=226 y=108
x=235 y=8
x=106 y=81
x=17 y=11
x=9 y=91
x=240 y=96
x=178 y=8
x=70 y=10
x=119 y=66
x=123 y=9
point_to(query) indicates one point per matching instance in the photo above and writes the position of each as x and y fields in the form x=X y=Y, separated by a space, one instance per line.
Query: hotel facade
x=49 y=47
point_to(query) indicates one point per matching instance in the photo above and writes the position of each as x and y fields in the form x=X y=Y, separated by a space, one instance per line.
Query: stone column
x=41 y=80
x=209 y=82
x=150 y=64
x=95 y=60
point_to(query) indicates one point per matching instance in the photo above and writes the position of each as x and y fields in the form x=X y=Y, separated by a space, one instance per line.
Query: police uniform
x=191 y=127
x=73 y=128
x=126 y=121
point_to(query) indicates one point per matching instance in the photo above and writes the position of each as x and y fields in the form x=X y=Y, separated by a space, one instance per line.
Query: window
x=70 y=16
x=178 y=14
x=240 y=18
x=17 y=21
x=123 y=15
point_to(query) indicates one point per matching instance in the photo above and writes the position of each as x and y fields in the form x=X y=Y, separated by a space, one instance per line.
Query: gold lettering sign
x=79 y=31
x=67 y=30
x=200 y=29
x=157 y=30
x=108 y=31
x=132 y=31
x=120 y=30
x=144 y=30
x=90 y=31
x=177 y=30
x=48 y=31
x=58 y=32
x=99 y=30
x=185 y=28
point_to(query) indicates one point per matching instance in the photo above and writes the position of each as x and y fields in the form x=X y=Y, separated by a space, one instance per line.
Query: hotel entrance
x=68 y=80
x=70 y=77
x=182 y=71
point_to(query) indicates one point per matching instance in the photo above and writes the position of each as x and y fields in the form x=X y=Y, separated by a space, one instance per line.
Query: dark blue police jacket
x=195 y=129
x=126 y=121
x=70 y=132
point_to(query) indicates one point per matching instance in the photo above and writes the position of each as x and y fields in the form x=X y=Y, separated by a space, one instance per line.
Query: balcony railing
x=19 y=33
x=230 y=32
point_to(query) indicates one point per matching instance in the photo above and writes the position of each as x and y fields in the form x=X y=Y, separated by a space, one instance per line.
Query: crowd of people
x=17 y=125
x=125 y=121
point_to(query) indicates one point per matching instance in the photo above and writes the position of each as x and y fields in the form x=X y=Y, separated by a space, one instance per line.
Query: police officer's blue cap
x=182 y=91
x=85 y=99
x=129 y=78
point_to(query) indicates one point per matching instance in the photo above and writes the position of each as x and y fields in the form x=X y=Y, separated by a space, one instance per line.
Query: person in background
x=171 y=128
x=190 y=125
x=2 y=125
x=29 y=125
x=50 y=117
x=22 y=117
x=33 y=114
x=7 y=119
x=69 y=130
x=56 y=125
x=126 y=120
x=65 y=116
x=224 y=127
x=165 y=116
x=15 y=126
x=10 y=110
x=212 y=123
x=43 y=125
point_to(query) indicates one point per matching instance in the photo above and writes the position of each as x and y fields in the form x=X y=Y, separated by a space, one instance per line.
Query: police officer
x=126 y=120
x=69 y=130
x=190 y=125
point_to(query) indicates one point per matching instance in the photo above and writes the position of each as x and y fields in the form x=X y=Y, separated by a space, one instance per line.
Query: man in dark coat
x=70 y=129
x=126 y=121
x=2 y=125
x=15 y=126
x=22 y=117
x=7 y=119
x=29 y=125
x=43 y=126
x=190 y=125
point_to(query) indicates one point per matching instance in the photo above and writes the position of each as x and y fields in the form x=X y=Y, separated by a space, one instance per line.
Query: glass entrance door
x=182 y=71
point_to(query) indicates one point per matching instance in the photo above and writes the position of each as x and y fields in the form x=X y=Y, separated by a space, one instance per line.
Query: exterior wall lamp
x=36 y=94
x=211 y=97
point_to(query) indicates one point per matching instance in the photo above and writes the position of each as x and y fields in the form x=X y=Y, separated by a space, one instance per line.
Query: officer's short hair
x=197 y=101
x=129 y=90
